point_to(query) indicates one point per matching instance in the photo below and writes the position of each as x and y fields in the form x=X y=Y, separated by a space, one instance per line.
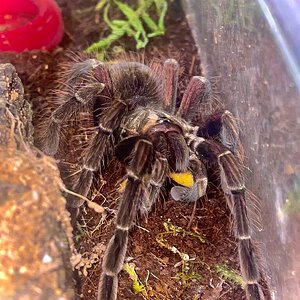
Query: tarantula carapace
x=138 y=123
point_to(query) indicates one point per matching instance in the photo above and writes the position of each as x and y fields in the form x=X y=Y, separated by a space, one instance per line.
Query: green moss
x=82 y=232
x=229 y=275
x=187 y=274
x=176 y=230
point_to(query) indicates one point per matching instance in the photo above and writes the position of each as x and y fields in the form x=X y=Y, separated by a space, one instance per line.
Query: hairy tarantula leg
x=94 y=156
x=196 y=92
x=158 y=176
x=76 y=98
x=220 y=124
x=229 y=135
x=83 y=68
x=233 y=185
x=198 y=170
x=63 y=113
x=170 y=82
x=139 y=171
x=198 y=189
x=223 y=126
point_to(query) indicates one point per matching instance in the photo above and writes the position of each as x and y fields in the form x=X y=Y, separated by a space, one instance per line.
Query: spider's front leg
x=233 y=185
x=159 y=174
x=100 y=145
x=139 y=173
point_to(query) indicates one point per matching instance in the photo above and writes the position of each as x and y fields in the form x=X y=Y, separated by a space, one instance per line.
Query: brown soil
x=157 y=267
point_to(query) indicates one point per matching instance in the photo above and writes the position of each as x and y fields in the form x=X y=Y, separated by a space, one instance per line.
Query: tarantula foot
x=107 y=287
x=74 y=212
x=254 y=292
x=52 y=141
x=74 y=202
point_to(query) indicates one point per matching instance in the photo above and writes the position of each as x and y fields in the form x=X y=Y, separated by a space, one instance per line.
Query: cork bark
x=35 y=231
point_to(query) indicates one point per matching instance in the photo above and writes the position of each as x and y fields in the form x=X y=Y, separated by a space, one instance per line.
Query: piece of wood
x=35 y=231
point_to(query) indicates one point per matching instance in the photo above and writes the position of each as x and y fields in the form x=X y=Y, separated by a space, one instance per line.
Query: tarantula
x=138 y=123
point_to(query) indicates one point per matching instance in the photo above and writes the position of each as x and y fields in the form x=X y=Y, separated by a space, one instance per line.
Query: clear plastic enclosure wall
x=251 y=50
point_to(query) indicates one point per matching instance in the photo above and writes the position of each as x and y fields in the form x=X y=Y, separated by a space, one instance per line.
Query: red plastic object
x=29 y=25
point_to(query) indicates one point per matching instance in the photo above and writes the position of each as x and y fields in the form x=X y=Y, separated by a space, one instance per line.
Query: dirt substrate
x=208 y=240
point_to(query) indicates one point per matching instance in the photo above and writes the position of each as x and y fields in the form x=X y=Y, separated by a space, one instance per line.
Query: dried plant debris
x=87 y=260
x=35 y=231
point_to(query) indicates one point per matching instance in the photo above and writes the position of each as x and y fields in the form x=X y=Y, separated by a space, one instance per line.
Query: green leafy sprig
x=133 y=25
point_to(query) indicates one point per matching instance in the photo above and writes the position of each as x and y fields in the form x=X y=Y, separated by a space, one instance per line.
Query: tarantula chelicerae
x=137 y=122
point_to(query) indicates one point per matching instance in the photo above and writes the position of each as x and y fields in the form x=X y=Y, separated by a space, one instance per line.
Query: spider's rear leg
x=170 y=82
x=196 y=93
x=223 y=127
x=201 y=109
x=80 y=88
x=233 y=185
x=139 y=173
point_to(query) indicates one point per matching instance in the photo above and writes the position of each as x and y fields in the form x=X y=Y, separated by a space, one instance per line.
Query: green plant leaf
x=135 y=22
x=101 y=4
x=134 y=25
x=162 y=8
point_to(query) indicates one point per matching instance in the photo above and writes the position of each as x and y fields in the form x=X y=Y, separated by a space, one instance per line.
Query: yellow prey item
x=185 y=179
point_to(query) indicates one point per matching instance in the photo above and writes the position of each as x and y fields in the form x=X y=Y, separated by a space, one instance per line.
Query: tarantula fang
x=137 y=122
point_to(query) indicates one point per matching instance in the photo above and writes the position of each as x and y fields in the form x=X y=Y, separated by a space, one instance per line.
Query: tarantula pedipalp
x=137 y=122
